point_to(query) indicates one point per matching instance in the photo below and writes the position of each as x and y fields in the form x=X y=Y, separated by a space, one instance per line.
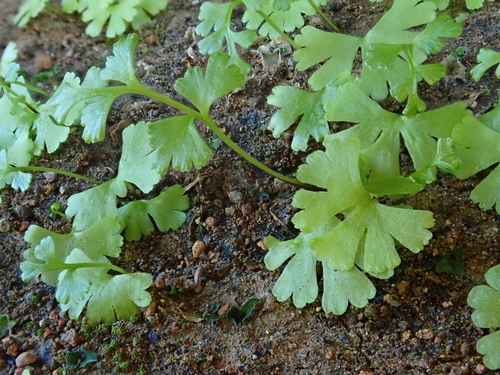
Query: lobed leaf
x=216 y=28
x=18 y=154
x=119 y=14
x=136 y=162
x=30 y=9
x=95 y=204
x=82 y=281
x=166 y=210
x=486 y=300
x=369 y=228
x=430 y=39
x=102 y=238
x=299 y=278
x=309 y=106
x=342 y=287
x=379 y=131
x=478 y=153
x=120 y=66
x=287 y=15
x=49 y=134
x=91 y=101
x=119 y=296
x=220 y=78
x=176 y=140
x=486 y=58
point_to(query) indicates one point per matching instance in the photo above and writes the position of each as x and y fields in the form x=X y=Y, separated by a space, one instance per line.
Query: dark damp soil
x=419 y=321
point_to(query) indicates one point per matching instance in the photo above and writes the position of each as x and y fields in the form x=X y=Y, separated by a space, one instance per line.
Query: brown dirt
x=419 y=321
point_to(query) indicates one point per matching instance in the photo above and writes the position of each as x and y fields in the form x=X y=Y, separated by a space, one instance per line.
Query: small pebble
x=235 y=196
x=70 y=338
x=403 y=287
x=4 y=225
x=25 y=359
x=198 y=249
x=211 y=221
x=150 y=310
x=246 y=209
x=43 y=62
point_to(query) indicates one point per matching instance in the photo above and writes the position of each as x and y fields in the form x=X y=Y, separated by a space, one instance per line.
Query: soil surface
x=419 y=321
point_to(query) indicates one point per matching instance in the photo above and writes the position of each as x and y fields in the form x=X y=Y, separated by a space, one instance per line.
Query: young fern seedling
x=117 y=14
x=342 y=224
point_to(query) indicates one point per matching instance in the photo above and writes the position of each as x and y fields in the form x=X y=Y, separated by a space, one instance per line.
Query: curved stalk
x=215 y=128
x=53 y=170
x=66 y=266
x=29 y=87
x=323 y=15
x=281 y=32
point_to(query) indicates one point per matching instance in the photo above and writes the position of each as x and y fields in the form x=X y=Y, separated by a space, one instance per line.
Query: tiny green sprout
x=29 y=325
x=134 y=353
x=113 y=343
x=118 y=356
x=86 y=329
x=34 y=298
x=125 y=365
x=459 y=53
x=55 y=211
x=141 y=371
x=116 y=330
x=40 y=332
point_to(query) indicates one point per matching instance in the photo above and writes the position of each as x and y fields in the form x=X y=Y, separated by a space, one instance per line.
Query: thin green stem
x=278 y=29
x=206 y=119
x=58 y=171
x=65 y=266
x=29 y=87
x=323 y=15
x=236 y=148
x=142 y=90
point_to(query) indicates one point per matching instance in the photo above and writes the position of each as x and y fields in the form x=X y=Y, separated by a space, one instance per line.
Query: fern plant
x=341 y=221
x=117 y=15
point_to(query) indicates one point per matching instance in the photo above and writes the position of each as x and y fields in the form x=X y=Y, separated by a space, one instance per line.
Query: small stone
x=480 y=368
x=25 y=359
x=4 y=225
x=43 y=62
x=13 y=349
x=456 y=370
x=425 y=334
x=235 y=196
x=150 y=310
x=329 y=355
x=198 y=249
x=160 y=282
x=223 y=310
x=403 y=287
x=447 y=304
x=152 y=39
x=262 y=245
x=49 y=189
x=211 y=221
x=246 y=209
x=70 y=338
